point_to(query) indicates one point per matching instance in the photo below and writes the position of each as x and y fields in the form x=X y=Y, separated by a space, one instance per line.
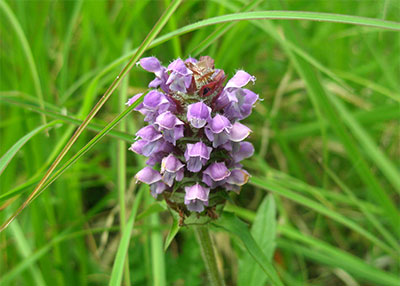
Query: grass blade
x=7 y=157
x=333 y=256
x=264 y=231
x=173 y=231
x=281 y=190
x=26 y=252
x=118 y=267
x=320 y=101
x=371 y=149
x=27 y=52
x=150 y=37
x=157 y=253
x=232 y=224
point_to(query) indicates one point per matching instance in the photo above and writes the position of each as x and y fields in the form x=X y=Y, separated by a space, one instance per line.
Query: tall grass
x=322 y=204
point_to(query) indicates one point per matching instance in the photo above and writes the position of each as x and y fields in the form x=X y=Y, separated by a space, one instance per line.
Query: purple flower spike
x=215 y=174
x=239 y=132
x=198 y=114
x=218 y=130
x=194 y=134
x=153 y=178
x=180 y=77
x=196 y=197
x=171 y=126
x=171 y=168
x=196 y=156
x=240 y=79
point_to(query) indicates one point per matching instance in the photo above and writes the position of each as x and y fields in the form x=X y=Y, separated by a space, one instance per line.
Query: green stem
x=207 y=252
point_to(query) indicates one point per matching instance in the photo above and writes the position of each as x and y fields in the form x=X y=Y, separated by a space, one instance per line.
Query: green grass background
x=323 y=199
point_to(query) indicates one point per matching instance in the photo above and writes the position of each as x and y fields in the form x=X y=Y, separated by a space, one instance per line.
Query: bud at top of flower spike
x=194 y=140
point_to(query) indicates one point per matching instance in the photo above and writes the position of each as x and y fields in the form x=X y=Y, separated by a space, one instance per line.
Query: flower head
x=194 y=139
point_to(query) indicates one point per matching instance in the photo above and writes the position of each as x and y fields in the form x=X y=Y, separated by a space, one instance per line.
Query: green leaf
x=25 y=251
x=324 y=253
x=173 y=230
x=264 y=231
x=118 y=267
x=14 y=24
x=333 y=256
x=322 y=209
x=370 y=147
x=157 y=253
x=322 y=106
x=7 y=157
x=232 y=224
x=152 y=209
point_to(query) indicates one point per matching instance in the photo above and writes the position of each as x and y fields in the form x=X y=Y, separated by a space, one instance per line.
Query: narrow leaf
x=264 y=231
x=232 y=224
x=7 y=157
x=118 y=267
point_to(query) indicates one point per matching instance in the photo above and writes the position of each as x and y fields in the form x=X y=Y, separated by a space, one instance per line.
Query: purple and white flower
x=151 y=141
x=171 y=126
x=198 y=114
x=216 y=174
x=153 y=178
x=152 y=64
x=218 y=130
x=196 y=156
x=238 y=177
x=171 y=169
x=196 y=197
x=180 y=77
x=153 y=104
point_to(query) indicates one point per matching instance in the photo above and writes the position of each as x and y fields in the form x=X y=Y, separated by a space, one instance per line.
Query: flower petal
x=167 y=120
x=171 y=164
x=148 y=175
x=149 y=133
x=238 y=177
x=133 y=99
x=154 y=99
x=239 y=132
x=246 y=150
x=198 y=114
x=199 y=150
x=157 y=188
x=198 y=192
x=137 y=146
x=219 y=123
x=217 y=171
x=240 y=79
x=151 y=64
